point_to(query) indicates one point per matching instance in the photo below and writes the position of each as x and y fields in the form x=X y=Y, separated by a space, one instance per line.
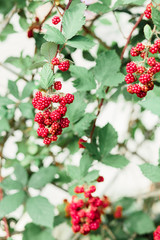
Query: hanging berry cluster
x=86 y=212
x=52 y=108
x=144 y=70
x=148 y=11
x=156 y=233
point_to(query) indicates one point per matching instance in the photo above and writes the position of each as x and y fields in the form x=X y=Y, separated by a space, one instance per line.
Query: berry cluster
x=52 y=108
x=156 y=233
x=144 y=70
x=148 y=11
x=63 y=66
x=86 y=213
x=118 y=212
x=56 y=20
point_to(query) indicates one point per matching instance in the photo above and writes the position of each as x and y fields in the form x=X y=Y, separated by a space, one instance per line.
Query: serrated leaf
x=116 y=161
x=107 y=69
x=81 y=42
x=41 y=211
x=151 y=172
x=13 y=89
x=23 y=23
x=47 y=76
x=83 y=76
x=37 y=65
x=73 y=19
x=42 y=177
x=156 y=17
x=48 y=50
x=4 y=124
x=107 y=139
x=5 y=101
x=147 y=31
x=83 y=124
x=100 y=7
x=10 y=203
x=73 y=172
x=6 y=31
x=27 y=90
x=53 y=35
x=152 y=104
x=27 y=110
x=139 y=222
x=21 y=174
x=34 y=232
x=85 y=164
x=9 y=184
x=91 y=176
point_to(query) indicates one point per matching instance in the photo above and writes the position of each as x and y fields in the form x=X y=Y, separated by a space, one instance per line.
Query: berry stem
x=130 y=35
x=45 y=18
x=99 y=110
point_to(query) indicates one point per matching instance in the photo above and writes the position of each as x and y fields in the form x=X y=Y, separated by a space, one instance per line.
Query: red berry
x=46 y=113
x=118 y=212
x=80 y=143
x=150 y=85
x=134 y=52
x=129 y=89
x=56 y=20
x=94 y=225
x=54 y=138
x=100 y=179
x=57 y=85
x=148 y=11
x=82 y=213
x=79 y=189
x=140 y=47
x=151 y=61
x=145 y=78
x=55 y=98
x=85 y=229
x=37 y=19
x=92 y=189
x=59 y=131
x=39 y=118
x=76 y=228
x=130 y=78
x=62 y=101
x=153 y=49
x=55 y=61
x=131 y=67
x=38 y=95
x=141 y=69
x=144 y=54
x=55 y=115
x=64 y=66
x=69 y=98
x=141 y=94
x=136 y=88
x=47 y=140
x=157 y=43
x=64 y=122
x=156 y=233
x=30 y=33
x=62 y=110
x=48 y=121
x=42 y=132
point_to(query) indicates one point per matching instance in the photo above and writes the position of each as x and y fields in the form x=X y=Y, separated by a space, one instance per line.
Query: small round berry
x=42 y=132
x=148 y=11
x=131 y=67
x=156 y=233
x=85 y=229
x=64 y=122
x=130 y=78
x=100 y=179
x=141 y=69
x=30 y=33
x=144 y=88
x=141 y=94
x=150 y=85
x=136 y=88
x=54 y=138
x=140 y=47
x=79 y=189
x=145 y=78
x=47 y=140
x=69 y=98
x=64 y=66
x=94 y=225
x=153 y=49
x=55 y=61
x=151 y=61
x=48 y=121
x=55 y=98
x=55 y=115
x=144 y=54
x=92 y=189
x=57 y=85
x=63 y=101
x=118 y=212
x=62 y=110
x=56 y=20
x=129 y=89
x=59 y=131
x=46 y=113
x=39 y=118
x=134 y=52
x=157 y=43
x=76 y=228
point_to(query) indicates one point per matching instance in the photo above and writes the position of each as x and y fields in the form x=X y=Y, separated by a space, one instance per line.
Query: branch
x=45 y=18
x=130 y=35
x=99 y=110
x=12 y=71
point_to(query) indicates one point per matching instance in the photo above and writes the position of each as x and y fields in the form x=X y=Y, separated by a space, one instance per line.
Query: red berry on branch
x=129 y=89
x=136 y=88
x=64 y=66
x=55 y=61
x=39 y=118
x=69 y=98
x=64 y=122
x=118 y=212
x=145 y=78
x=30 y=33
x=151 y=61
x=79 y=189
x=57 y=85
x=56 y=20
x=141 y=94
x=140 y=47
x=47 y=140
x=141 y=69
x=134 y=52
x=55 y=115
x=156 y=233
x=55 y=98
x=153 y=49
x=148 y=11
x=131 y=67
x=130 y=78
x=100 y=179
x=42 y=132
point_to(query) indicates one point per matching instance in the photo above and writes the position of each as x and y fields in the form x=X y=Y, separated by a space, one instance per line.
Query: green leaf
x=47 y=76
x=41 y=211
x=34 y=232
x=107 y=139
x=54 y=35
x=79 y=104
x=13 y=89
x=42 y=177
x=10 y=203
x=5 y=101
x=107 y=69
x=6 y=31
x=4 y=125
x=152 y=104
x=73 y=172
x=100 y=7
x=28 y=90
x=37 y=65
x=91 y=176
x=27 y=110
x=21 y=174
x=139 y=222
x=85 y=164
x=23 y=23
x=156 y=17
x=83 y=124
x=9 y=184
x=147 y=31
x=73 y=19
x=48 y=50
x=116 y=161
x=81 y=42
x=151 y=172
x=83 y=76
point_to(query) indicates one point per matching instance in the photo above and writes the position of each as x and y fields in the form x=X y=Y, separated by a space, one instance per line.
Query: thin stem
x=45 y=18
x=119 y=26
x=130 y=35
x=8 y=18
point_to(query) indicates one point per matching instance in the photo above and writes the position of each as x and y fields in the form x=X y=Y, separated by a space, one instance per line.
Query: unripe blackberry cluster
x=143 y=71
x=118 y=212
x=86 y=213
x=56 y=20
x=63 y=65
x=148 y=11
x=156 y=233
x=52 y=108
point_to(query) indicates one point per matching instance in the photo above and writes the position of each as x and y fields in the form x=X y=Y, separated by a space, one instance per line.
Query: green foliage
x=41 y=213
x=116 y=161
x=156 y=17
x=47 y=76
x=54 y=35
x=147 y=32
x=34 y=232
x=151 y=172
x=48 y=50
x=80 y=42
